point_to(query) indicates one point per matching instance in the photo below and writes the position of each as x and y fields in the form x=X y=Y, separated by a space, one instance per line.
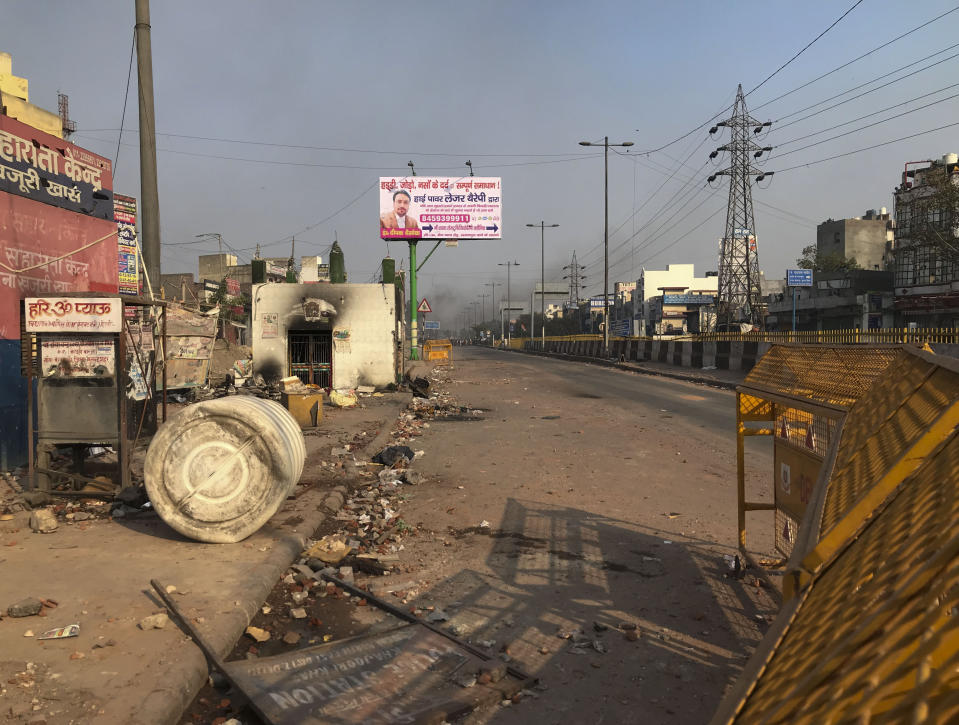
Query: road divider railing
x=869 y=629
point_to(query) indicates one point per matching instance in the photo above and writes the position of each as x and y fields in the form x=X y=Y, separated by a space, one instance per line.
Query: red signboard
x=57 y=228
x=48 y=251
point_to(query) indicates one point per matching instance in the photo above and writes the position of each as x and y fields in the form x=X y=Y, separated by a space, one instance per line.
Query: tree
x=830 y=262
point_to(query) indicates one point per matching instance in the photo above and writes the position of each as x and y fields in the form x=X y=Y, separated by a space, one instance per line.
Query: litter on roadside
x=71 y=630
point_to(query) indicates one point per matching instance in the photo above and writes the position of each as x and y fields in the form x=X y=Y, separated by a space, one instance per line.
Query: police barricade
x=439 y=350
x=869 y=630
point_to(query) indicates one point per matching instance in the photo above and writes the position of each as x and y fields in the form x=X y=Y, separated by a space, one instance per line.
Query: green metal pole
x=414 y=302
x=435 y=246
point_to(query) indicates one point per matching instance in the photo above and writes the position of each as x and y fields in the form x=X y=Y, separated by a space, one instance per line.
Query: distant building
x=181 y=287
x=857 y=299
x=666 y=301
x=926 y=275
x=864 y=238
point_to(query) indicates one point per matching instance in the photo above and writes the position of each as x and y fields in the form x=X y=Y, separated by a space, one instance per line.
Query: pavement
x=98 y=572
x=586 y=500
x=727 y=379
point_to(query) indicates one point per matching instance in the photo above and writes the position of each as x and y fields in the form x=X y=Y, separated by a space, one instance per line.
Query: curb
x=633 y=368
x=166 y=704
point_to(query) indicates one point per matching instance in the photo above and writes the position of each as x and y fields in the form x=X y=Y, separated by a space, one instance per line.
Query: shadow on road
x=561 y=571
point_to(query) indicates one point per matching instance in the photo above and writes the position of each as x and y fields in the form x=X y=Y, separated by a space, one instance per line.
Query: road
x=609 y=497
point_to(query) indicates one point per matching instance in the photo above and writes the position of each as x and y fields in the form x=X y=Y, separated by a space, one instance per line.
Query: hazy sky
x=326 y=97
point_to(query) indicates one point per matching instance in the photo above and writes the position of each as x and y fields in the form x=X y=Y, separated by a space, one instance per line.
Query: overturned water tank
x=220 y=469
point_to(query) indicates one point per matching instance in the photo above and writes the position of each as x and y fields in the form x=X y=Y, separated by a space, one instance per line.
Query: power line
x=305 y=147
x=863 y=85
x=761 y=84
x=857 y=58
x=308 y=164
x=808 y=45
x=126 y=96
x=874 y=113
x=868 y=125
x=868 y=148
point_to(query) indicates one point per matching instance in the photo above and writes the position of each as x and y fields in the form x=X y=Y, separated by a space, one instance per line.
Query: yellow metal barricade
x=799 y=395
x=438 y=350
x=869 y=631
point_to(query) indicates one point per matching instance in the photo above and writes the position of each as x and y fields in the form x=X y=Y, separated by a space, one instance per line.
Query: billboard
x=125 y=214
x=44 y=168
x=440 y=207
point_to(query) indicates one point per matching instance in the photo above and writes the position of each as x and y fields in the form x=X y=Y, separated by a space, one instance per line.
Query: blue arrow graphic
x=492 y=228
x=428 y=228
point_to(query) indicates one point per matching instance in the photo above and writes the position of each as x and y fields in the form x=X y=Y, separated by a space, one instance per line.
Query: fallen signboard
x=400 y=676
x=415 y=673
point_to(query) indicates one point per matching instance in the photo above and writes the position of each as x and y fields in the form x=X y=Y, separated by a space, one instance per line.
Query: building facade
x=927 y=245
x=58 y=233
x=865 y=239
x=857 y=299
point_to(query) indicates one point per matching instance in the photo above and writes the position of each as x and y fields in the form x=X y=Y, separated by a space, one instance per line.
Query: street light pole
x=483 y=306
x=509 y=302
x=606 y=144
x=493 y=302
x=542 y=272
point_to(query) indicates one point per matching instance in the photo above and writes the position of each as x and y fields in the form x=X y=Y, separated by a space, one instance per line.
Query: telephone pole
x=740 y=288
x=149 y=196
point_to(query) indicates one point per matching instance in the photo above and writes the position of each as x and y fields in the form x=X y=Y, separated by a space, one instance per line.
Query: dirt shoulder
x=97 y=570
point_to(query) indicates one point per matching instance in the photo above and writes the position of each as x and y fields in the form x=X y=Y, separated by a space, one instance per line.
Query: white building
x=675 y=279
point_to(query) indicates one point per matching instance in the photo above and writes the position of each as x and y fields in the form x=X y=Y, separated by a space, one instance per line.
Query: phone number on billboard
x=429 y=218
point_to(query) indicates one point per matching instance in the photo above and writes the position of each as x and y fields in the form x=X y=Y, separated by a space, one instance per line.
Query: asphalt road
x=586 y=497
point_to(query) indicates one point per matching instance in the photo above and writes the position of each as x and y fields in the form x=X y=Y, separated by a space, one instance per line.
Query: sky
x=276 y=120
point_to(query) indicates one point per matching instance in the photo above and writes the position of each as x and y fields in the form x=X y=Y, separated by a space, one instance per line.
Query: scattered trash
x=343 y=398
x=420 y=387
x=154 y=621
x=484 y=524
x=330 y=549
x=365 y=389
x=667 y=541
x=44 y=521
x=437 y=615
x=391 y=455
x=71 y=630
x=735 y=566
x=260 y=635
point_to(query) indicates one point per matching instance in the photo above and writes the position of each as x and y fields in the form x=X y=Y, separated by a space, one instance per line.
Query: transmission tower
x=575 y=278
x=740 y=289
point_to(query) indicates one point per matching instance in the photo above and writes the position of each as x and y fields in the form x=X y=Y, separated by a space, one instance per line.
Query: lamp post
x=493 y=302
x=606 y=144
x=509 y=302
x=542 y=272
x=483 y=297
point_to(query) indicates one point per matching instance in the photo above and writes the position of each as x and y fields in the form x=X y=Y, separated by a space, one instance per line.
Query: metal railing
x=890 y=336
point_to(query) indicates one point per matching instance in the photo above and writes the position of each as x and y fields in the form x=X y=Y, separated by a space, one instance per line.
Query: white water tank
x=220 y=469
x=950 y=159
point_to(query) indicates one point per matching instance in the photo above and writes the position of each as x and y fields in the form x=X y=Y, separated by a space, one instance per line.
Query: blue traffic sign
x=431 y=325
x=799 y=278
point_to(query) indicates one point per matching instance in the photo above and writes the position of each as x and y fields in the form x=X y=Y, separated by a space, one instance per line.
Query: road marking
x=692 y=397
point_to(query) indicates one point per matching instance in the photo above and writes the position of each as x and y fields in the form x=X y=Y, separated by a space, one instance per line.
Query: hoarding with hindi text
x=440 y=207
